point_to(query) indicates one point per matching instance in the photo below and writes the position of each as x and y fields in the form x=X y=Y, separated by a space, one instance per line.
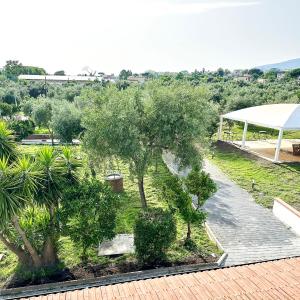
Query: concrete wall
x=287 y=215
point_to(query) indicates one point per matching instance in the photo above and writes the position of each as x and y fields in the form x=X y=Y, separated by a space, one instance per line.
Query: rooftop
x=268 y=280
x=59 y=78
x=277 y=116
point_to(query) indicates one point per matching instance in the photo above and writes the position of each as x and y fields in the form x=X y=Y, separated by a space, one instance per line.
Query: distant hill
x=285 y=65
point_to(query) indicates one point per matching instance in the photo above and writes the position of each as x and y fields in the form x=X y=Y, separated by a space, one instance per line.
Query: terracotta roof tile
x=268 y=280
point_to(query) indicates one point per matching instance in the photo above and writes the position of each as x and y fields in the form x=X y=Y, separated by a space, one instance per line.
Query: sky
x=140 y=35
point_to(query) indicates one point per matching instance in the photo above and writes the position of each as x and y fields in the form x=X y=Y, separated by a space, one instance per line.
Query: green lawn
x=252 y=132
x=129 y=207
x=271 y=180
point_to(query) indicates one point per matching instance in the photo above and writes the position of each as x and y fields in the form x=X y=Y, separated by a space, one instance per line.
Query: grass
x=252 y=132
x=271 y=180
x=129 y=207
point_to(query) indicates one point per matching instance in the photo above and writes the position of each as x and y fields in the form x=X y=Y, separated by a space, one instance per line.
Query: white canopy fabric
x=277 y=116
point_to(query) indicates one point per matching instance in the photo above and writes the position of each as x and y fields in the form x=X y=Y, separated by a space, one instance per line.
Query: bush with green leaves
x=22 y=128
x=6 y=109
x=200 y=184
x=154 y=233
x=89 y=214
x=182 y=201
x=65 y=122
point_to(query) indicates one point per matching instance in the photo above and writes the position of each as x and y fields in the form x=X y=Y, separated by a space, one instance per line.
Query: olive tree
x=139 y=124
x=42 y=114
x=65 y=121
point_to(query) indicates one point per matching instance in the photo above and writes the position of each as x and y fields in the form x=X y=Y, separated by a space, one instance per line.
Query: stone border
x=287 y=215
x=212 y=236
x=59 y=287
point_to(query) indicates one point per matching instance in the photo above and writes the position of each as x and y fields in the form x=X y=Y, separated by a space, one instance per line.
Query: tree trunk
x=49 y=255
x=23 y=257
x=189 y=231
x=49 y=252
x=93 y=172
x=51 y=135
x=33 y=253
x=142 y=192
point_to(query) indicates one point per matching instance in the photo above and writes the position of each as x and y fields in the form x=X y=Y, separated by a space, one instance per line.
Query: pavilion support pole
x=244 y=134
x=277 y=152
x=220 y=128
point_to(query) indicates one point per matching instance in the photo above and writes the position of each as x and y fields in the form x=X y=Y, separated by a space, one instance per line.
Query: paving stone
x=247 y=231
x=121 y=244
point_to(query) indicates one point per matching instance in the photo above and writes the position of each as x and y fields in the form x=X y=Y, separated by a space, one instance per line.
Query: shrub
x=182 y=200
x=154 y=232
x=22 y=128
x=89 y=214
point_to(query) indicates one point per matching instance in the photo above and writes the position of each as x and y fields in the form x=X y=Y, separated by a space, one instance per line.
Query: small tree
x=89 y=211
x=6 y=110
x=42 y=115
x=124 y=74
x=60 y=73
x=154 y=232
x=200 y=184
x=66 y=122
x=22 y=128
x=182 y=200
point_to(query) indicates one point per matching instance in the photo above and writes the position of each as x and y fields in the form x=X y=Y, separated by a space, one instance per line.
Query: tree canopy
x=137 y=125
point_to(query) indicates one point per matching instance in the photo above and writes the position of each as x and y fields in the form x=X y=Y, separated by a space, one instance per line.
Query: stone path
x=247 y=231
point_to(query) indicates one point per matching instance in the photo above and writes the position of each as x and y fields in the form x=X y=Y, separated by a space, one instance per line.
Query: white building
x=60 y=79
x=245 y=78
x=137 y=79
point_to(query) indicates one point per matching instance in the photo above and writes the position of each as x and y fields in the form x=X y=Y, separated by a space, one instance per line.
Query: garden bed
x=204 y=250
x=89 y=271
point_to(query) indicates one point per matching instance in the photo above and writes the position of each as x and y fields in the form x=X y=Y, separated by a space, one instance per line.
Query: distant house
x=280 y=75
x=110 y=77
x=237 y=73
x=245 y=78
x=20 y=118
x=136 y=79
x=261 y=80
x=59 y=79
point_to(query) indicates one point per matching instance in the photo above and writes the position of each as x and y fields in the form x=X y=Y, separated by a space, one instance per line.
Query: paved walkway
x=247 y=231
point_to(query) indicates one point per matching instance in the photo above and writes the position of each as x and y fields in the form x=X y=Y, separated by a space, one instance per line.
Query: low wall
x=287 y=215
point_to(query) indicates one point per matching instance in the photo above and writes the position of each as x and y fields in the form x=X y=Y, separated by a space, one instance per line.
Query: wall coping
x=287 y=206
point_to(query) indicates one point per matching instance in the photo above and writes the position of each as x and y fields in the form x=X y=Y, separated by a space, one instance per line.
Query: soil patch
x=90 y=271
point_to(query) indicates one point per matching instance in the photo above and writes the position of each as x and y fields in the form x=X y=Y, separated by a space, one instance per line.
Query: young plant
x=200 y=184
x=154 y=232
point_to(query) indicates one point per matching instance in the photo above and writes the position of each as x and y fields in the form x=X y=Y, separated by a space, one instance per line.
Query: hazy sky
x=140 y=35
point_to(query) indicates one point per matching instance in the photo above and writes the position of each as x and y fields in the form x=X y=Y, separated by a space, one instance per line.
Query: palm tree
x=7 y=145
x=39 y=182
x=18 y=183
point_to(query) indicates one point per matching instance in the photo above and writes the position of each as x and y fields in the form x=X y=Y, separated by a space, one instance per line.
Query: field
x=270 y=180
x=129 y=207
